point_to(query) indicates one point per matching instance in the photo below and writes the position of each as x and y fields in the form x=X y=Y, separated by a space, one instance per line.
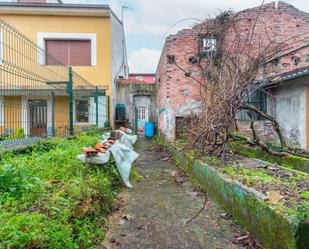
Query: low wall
x=248 y=207
x=293 y=162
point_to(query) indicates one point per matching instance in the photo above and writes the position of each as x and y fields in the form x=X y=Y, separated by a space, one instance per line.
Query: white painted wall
x=101 y=110
x=290 y=111
x=119 y=58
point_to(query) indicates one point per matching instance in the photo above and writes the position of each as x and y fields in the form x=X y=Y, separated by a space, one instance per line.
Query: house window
x=68 y=52
x=208 y=44
x=295 y=60
x=141 y=113
x=82 y=111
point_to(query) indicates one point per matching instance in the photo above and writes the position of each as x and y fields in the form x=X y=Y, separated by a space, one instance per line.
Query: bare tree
x=228 y=75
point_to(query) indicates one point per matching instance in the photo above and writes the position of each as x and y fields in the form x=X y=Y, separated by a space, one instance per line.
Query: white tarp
x=124 y=157
x=123 y=153
x=127 y=140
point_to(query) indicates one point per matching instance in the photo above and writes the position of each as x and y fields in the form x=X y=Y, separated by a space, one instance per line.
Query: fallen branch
x=273 y=121
x=201 y=210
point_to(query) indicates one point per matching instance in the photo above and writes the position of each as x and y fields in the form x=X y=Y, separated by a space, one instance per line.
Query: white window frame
x=75 y=111
x=212 y=44
x=42 y=36
x=144 y=110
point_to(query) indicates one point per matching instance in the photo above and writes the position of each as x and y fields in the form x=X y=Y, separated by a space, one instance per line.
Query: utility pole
x=123 y=8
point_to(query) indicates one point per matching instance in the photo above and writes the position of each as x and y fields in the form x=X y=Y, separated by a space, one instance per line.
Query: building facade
x=149 y=78
x=178 y=95
x=138 y=99
x=89 y=38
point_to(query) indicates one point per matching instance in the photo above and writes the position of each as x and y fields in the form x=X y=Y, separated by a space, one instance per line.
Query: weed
x=68 y=214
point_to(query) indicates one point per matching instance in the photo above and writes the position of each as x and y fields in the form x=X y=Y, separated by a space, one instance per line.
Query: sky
x=148 y=22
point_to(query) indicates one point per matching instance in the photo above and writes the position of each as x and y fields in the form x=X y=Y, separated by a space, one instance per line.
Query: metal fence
x=39 y=100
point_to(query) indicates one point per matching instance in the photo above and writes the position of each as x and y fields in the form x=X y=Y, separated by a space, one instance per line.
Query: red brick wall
x=283 y=24
x=176 y=93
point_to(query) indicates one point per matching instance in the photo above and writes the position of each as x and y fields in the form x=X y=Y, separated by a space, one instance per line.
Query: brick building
x=179 y=96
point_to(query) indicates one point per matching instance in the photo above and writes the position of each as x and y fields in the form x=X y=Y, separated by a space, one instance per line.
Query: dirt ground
x=153 y=214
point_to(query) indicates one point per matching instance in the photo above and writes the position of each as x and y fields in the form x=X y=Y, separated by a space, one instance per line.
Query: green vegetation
x=293 y=162
x=18 y=133
x=49 y=199
x=282 y=222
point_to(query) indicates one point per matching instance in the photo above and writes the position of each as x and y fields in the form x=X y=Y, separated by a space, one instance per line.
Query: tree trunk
x=273 y=121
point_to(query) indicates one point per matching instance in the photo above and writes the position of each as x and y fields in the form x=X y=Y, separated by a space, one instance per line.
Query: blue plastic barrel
x=149 y=129
x=120 y=112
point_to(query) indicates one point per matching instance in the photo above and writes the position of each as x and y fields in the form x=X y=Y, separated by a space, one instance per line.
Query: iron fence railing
x=38 y=100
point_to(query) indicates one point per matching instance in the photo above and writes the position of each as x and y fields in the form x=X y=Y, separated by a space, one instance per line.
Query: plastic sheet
x=127 y=140
x=123 y=154
x=124 y=157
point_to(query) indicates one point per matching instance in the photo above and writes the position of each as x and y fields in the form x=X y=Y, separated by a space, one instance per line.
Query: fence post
x=97 y=107
x=53 y=114
x=70 y=93
x=108 y=112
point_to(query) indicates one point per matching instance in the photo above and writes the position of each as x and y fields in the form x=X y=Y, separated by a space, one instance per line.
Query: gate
x=38 y=117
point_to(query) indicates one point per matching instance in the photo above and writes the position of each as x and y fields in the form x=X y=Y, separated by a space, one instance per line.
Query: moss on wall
x=292 y=162
x=272 y=227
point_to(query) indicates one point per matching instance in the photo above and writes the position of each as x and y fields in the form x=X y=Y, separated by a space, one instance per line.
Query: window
x=141 y=113
x=68 y=52
x=209 y=44
x=295 y=60
x=171 y=59
x=82 y=111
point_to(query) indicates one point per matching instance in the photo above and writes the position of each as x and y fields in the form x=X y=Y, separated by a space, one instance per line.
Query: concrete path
x=154 y=213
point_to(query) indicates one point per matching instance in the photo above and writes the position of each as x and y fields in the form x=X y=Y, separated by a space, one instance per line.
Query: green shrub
x=15 y=181
x=35 y=213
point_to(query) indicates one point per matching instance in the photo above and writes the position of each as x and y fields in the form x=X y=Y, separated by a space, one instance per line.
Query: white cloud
x=144 y=60
x=152 y=18
x=155 y=17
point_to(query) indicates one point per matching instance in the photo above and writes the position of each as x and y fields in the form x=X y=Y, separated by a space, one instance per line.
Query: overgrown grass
x=71 y=213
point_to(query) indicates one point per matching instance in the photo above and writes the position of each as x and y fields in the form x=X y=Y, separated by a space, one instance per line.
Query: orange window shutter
x=80 y=52
x=59 y=49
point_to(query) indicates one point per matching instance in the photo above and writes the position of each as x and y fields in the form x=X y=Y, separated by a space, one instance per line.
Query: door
x=142 y=118
x=38 y=117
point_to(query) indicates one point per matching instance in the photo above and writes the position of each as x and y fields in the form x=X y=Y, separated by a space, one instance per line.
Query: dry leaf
x=173 y=173
x=127 y=217
x=274 y=197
